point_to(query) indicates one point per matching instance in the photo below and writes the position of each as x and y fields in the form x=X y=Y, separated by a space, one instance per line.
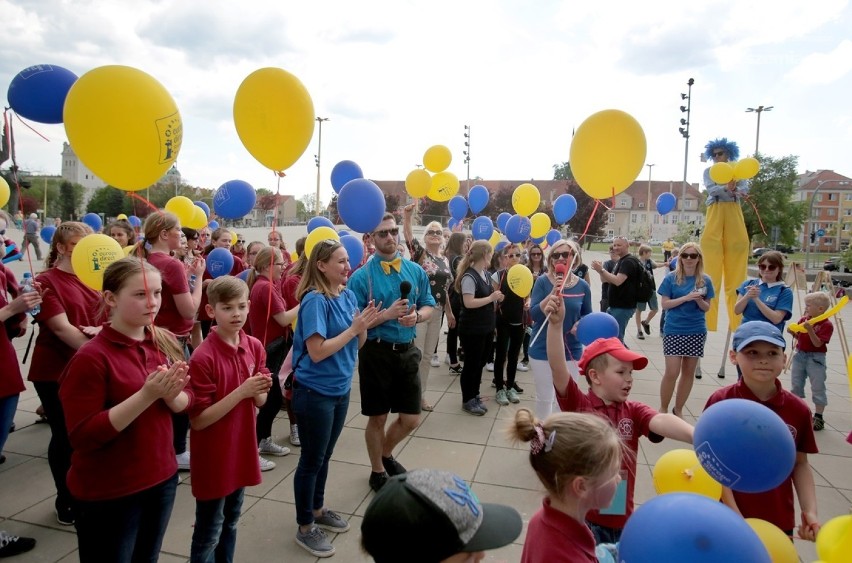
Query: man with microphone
x=388 y=363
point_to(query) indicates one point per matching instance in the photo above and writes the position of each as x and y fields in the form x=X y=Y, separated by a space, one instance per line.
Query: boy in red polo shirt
x=809 y=361
x=608 y=367
x=758 y=350
x=228 y=380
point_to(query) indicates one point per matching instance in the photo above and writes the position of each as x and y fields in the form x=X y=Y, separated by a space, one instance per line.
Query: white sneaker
x=489 y=366
x=266 y=465
x=268 y=447
x=294 y=435
x=435 y=361
x=183 y=461
x=447 y=359
x=523 y=367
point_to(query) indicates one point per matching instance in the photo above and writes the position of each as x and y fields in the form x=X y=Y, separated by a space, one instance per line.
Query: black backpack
x=644 y=285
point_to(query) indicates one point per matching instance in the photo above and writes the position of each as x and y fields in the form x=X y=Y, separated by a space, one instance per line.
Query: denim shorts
x=809 y=365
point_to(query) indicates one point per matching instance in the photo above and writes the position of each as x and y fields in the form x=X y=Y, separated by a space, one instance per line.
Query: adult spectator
x=668 y=246
x=608 y=266
x=622 y=283
x=239 y=248
x=510 y=329
x=456 y=249
x=32 y=226
x=651 y=304
x=766 y=298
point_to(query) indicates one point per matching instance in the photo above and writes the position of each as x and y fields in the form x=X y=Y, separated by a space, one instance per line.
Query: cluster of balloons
x=441 y=185
x=189 y=213
x=745 y=169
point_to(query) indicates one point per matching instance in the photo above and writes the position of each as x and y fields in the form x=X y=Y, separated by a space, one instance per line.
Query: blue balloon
x=596 y=325
x=501 y=245
x=94 y=221
x=134 y=221
x=458 y=207
x=666 y=202
x=38 y=92
x=451 y=224
x=47 y=233
x=482 y=228
x=204 y=207
x=213 y=225
x=234 y=199
x=219 y=262
x=343 y=233
x=538 y=240
x=342 y=172
x=354 y=248
x=564 y=208
x=501 y=221
x=319 y=222
x=478 y=198
x=517 y=228
x=689 y=527
x=361 y=205
x=244 y=274
x=553 y=236
x=744 y=446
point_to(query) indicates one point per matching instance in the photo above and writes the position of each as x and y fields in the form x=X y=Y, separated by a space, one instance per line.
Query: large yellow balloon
x=274 y=117
x=437 y=158
x=182 y=208
x=520 y=280
x=607 y=153
x=318 y=234
x=198 y=220
x=5 y=192
x=776 y=542
x=123 y=125
x=678 y=471
x=525 y=199
x=418 y=183
x=540 y=225
x=833 y=538
x=746 y=168
x=444 y=186
x=721 y=173
x=91 y=257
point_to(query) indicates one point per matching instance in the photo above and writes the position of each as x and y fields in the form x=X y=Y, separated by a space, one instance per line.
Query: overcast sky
x=396 y=77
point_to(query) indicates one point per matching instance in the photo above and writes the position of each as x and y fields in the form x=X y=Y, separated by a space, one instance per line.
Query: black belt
x=394 y=346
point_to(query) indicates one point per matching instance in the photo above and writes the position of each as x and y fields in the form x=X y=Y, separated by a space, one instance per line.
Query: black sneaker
x=819 y=423
x=517 y=388
x=378 y=480
x=646 y=326
x=64 y=515
x=13 y=545
x=392 y=466
x=456 y=369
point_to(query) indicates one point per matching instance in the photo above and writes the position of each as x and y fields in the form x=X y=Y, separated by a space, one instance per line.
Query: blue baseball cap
x=754 y=331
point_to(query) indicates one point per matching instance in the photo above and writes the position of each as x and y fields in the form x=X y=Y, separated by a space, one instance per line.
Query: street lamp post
x=684 y=131
x=467 y=153
x=648 y=204
x=758 y=110
x=807 y=238
x=319 y=155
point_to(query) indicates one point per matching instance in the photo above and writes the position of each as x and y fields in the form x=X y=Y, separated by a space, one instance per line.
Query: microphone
x=404 y=289
x=560 y=270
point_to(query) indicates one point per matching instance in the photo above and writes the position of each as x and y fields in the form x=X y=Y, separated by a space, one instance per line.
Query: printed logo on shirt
x=625 y=428
x=792 y=431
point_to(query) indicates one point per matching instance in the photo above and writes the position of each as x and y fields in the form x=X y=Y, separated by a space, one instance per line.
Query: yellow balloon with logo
x=123 y=125
x=540 y=225
x=444 y=186
x=678 y=471
x=274 y=117
x=834 y=540
x=182 y=208
x=91 y=257
x=520 y=280
x=5 y=192
x=721 y=173
x=418 y=183
x=525 y=199
x=437 y=158
x=776 y=542
x=746 y=168
x=198 y=220
x=317 y=235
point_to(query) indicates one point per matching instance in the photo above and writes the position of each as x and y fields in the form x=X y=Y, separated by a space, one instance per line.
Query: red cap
x=614 y=347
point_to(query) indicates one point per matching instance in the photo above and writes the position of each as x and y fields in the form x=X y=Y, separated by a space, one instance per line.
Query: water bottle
x=26 y=287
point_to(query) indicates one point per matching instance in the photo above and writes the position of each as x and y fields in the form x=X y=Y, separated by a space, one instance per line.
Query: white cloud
x=824 y=68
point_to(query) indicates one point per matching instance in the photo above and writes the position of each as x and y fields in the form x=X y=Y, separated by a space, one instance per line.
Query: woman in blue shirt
x=766 y=298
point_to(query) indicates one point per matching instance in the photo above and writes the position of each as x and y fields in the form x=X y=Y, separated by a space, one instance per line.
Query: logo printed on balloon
x=91 y=256
x=171 y=136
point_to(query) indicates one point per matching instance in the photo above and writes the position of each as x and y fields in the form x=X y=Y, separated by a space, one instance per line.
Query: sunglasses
x=535 y=254
x=718 y=153
x=512 y=255
x=435 y=233
x=386 y=232
x=240 y=241
x=689 y=256
x=558 y=255
x=770 y=267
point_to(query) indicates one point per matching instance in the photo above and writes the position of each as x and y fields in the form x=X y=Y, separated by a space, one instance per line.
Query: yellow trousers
x=725 y=245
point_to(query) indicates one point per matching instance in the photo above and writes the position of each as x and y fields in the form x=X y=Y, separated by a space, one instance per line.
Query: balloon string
x=140 y=253
x=589 y=222
x=10 y=139
x=31 y=128
x=272 y=257
x=756 y=212
x=143 y=200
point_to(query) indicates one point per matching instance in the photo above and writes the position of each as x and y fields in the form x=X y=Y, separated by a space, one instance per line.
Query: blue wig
x=728 y=146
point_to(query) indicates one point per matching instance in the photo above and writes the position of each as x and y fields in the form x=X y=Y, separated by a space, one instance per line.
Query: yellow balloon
x=796 y=327
x=525 y=199
x=233 y=237
x=540 y=225
x=832 y=537
x=746 y=168
x=418 y=183
x=776 y=542
x=721 y=173
x=128 y=249
x=495 y=238
x=437 y=158
x=444 y=186
x=121 y=216
x=520 y=280
x=318 y=234
x=5 y=192
x=274 y=117
x=678 y=471
x=293 y=257
x=198 y=220
x=183 y=208
x=123 y=125
x=607 y=153
x=91 y=257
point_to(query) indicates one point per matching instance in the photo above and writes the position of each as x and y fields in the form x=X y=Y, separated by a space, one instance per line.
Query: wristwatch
x=417 y=317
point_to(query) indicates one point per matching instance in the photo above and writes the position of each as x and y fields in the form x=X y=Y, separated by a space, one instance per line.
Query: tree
x=309 y=201
x=771 y=194
x=70 y=197
x=107 y=200
x=585 y=206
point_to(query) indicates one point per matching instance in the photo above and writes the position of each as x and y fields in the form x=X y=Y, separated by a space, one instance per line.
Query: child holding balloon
x=809 y=361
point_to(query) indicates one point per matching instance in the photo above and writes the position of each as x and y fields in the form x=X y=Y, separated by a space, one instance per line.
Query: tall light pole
x=467 y=153
x=317 y=158
x=758 y=110
x=809 y=218
x=684 y=131
x=648 y=205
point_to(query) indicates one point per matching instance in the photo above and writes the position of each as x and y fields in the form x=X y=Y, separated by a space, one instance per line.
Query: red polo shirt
x=175 y=282
x=289 y=285
x=554 y=536
x=11 y=382
x=823 y=329
x=266 y=302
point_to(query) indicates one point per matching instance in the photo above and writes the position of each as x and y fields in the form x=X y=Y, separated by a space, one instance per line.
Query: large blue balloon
x=553 y=236
x=204 y=207
x=596 y=325
x=517 y=228
x=501 y=221
x=38 y=92
x=234 y=199
x=319 y=222
x=477 y=197
x=458 y=207
x=744 y=446
x=564 y=208
x=134 y=221
x=482 y=228
x=689 y=527
x=219 y=262
x=354 y=248
x=666 y=202
x=361 y=205
x=342 y=172
x=47 y=233
x=94 y=221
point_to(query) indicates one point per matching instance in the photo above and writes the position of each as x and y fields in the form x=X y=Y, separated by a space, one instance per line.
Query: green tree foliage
x=107 y=200
x=70 y=198
x=771 y=193
x=585 y=207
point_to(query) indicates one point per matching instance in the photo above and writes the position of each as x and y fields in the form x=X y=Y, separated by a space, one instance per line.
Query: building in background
x=76 y=172
x=831 y=210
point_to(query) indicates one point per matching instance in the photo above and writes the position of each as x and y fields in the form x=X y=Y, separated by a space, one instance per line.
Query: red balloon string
x=756 y=212
x=30 y=127
x=10 y=139
x=134 y=195
x=589 y=222
x=272 y=255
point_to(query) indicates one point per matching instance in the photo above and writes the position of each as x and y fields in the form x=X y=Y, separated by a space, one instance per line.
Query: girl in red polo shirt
x=118 y=393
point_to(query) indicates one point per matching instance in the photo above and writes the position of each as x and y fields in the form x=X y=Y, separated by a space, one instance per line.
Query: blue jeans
x=8 y=406
x=622 y=316
x=321 y=420
x=215 y=536
x=809 y=365
x=126 y=529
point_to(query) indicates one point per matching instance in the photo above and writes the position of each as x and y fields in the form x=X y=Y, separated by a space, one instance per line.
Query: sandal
x=427 y=407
